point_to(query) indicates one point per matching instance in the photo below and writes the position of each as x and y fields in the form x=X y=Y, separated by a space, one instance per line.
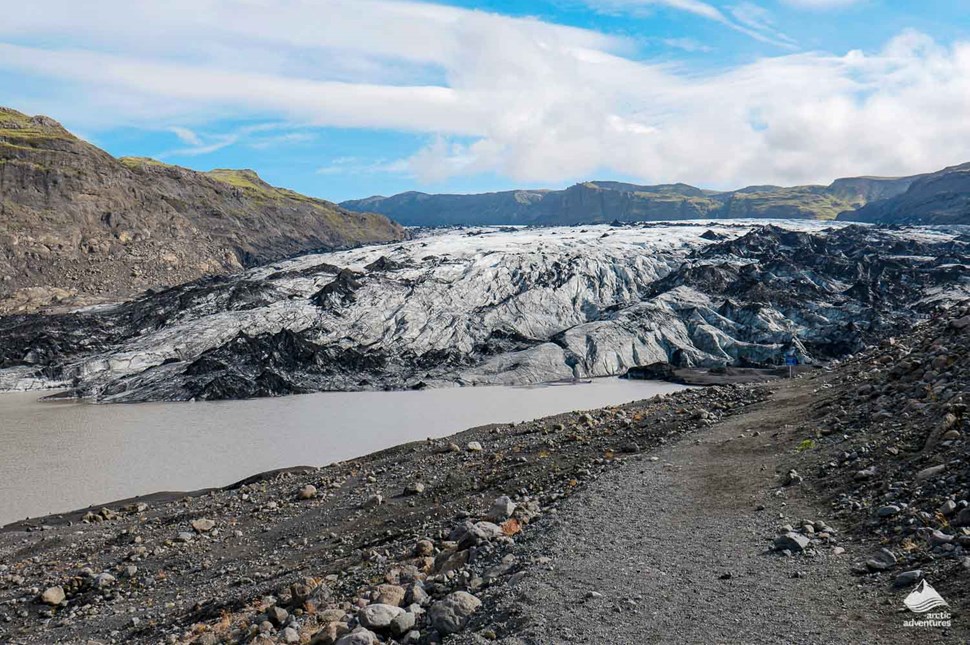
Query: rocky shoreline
x=472 y=538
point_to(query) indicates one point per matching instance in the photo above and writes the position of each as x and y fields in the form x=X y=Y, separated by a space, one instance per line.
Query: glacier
x=500 y=305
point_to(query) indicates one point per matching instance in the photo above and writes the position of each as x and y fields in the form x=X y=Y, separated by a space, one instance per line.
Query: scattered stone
x=792 y=542
x=378 y=616
x=277 y=615
x=474 y=446
x=888 y=511
x=390 y=595
x=882 y=561
x=424 y=548
x=948 y=508
x=53 y=596
x=414 y=488
x=203 y=525
x=360 y=636
x=908 y=578
x=103 y=580
x=932 y=471
x=451 y=614
x=501 y=510
x=793 y=478
x=403 y=623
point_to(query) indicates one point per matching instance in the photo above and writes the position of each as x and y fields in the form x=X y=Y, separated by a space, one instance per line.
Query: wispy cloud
x=358 y=165
x=687 y=44
x=823 y=4
x=759 y=30
x=202 y=143
x=186 y=135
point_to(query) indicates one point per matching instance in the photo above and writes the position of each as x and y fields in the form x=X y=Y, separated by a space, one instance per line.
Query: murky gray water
x=56 y=457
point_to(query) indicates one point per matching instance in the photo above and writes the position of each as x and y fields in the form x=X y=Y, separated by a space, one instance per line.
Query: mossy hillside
x=139 y=163
x=18 y=130
x=809 y=202
x=72 y=202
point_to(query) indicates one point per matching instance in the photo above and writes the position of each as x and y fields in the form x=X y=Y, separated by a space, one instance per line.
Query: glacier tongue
x=499 y=306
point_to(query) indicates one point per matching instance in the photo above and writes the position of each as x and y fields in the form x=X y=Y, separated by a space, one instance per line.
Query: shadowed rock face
x=79 y=226
x=938 y=198
x=490 y=306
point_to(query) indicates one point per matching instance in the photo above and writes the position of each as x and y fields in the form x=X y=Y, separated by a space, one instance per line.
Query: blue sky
x=349 y=98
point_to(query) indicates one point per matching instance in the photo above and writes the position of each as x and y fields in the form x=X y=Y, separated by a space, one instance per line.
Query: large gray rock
x=451 y=614
x=908 y=578
x=378 y=616
x=472 y=534
x=501 y=510
x=403 y=623
x=791 y=541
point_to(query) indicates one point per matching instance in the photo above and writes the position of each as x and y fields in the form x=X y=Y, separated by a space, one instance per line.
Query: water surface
x=56 y=457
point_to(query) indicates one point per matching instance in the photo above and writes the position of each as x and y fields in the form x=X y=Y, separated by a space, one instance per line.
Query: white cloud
x=186 y=135
x=535 y=102
x=687 y=44
x=359 y=166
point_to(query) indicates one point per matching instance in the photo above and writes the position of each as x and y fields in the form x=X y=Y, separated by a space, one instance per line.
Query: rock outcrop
x=79 y=226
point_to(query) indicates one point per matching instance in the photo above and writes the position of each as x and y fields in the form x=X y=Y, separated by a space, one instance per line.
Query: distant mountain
x=606 y=201
x=78 y=225
x=938 y=198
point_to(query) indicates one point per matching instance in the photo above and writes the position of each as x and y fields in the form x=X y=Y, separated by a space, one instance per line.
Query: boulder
x=791 y=541
x=451 y=614
x=53 y=596
x=501 y=510
x=359 y=636
x=390 y=595
x=378 y=616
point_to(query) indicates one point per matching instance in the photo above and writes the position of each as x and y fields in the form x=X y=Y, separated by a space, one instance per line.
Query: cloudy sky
x=348 y=98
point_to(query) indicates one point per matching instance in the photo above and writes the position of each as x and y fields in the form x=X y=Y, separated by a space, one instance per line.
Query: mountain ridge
x=941 y=197
x=79 y=226
x=604 y=201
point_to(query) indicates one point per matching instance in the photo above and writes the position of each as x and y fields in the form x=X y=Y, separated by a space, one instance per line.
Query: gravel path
x=674 y=551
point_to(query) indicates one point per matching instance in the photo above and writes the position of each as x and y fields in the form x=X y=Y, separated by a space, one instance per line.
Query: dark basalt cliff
x=939 y=198
x=78 y=225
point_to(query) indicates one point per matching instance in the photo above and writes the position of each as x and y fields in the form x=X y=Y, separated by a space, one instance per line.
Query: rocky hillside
x=488 y=306
x=78 y=225
x=606 y=201
x=890 y=447
x=939 y=198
